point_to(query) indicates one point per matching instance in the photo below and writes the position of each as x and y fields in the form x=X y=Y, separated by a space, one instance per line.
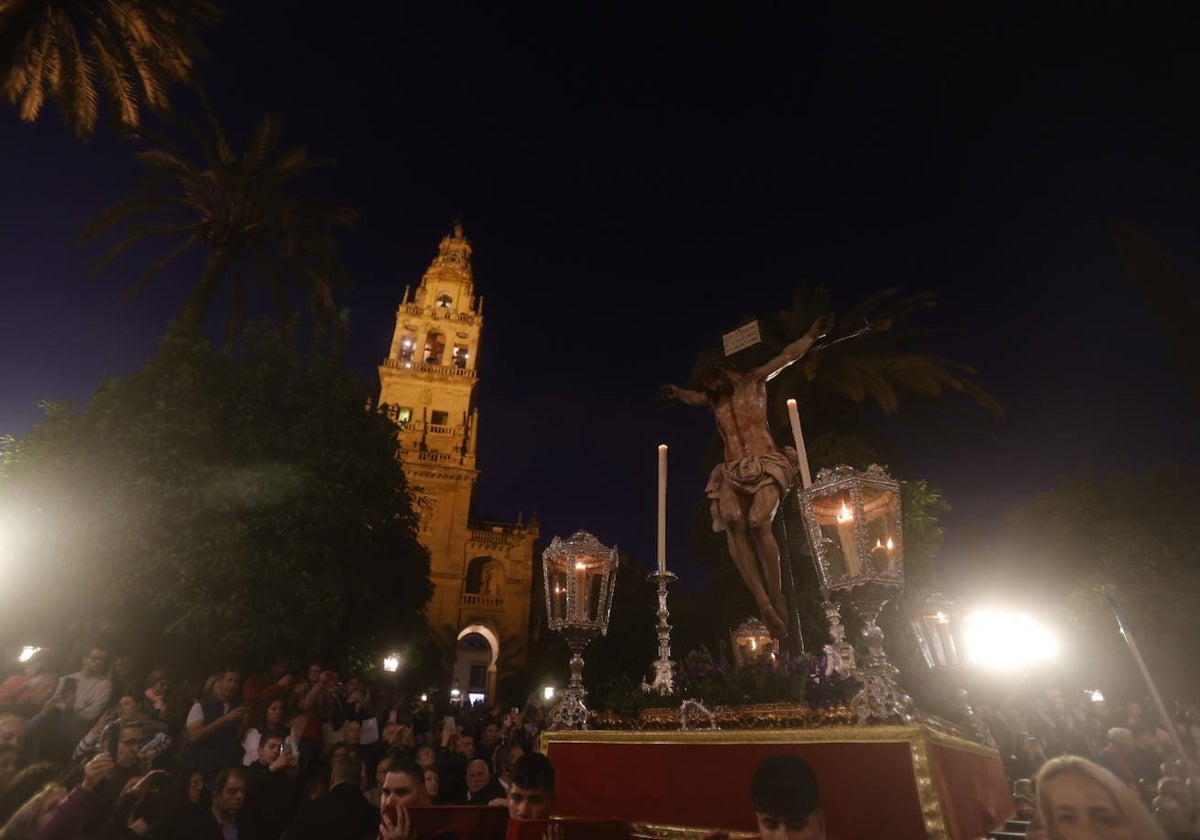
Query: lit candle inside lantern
x=581 y=593
x=798 y=437
x=845 y=526
x=662 y=508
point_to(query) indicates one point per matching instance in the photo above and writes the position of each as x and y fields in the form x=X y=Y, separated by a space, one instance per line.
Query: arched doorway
x=475 y=658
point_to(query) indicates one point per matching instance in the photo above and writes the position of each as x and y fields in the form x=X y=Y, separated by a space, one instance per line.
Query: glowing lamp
x=28 y=652
x=391 y=663
x=579 y=576
x=752 y=643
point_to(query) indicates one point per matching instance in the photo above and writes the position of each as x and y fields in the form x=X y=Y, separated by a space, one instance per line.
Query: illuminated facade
x=482 y=571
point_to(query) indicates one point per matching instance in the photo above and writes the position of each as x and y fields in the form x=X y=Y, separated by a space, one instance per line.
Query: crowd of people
x=1146 y=767
x=110 y=752
x=114 y=753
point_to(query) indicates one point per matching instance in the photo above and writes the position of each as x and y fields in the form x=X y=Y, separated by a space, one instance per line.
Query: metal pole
x=1137 y=657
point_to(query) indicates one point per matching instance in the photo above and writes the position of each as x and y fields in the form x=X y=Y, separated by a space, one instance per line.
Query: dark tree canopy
x=250 y=505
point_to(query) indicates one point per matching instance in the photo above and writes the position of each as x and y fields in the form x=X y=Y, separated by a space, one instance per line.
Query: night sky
x=635 y=179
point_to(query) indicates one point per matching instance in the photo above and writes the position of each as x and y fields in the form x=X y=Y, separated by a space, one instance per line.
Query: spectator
x=223 y=818
x=123 y=679
x=343 y=813
x=402 y=789
x=272 y=787
x=375 y=794
x=274 y=683
x=213 y=729
x=12 y=730
x=531 y=793
x=481 y=787
x=506 y=755
x=272 y=718
x=27 y=692
x=1080 y=799
x=432 y=785
x=10 y=762
x=78 y=700
x=25 y=784
x=35 y=814
x=1115 y=758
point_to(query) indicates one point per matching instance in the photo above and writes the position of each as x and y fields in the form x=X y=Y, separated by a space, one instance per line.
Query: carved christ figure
x=746 y=488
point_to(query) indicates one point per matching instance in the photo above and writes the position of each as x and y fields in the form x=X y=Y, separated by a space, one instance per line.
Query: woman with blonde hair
x=33 y=816
x=1080 y=800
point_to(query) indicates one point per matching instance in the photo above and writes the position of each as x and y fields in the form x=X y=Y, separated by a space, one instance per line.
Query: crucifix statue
x=746 y=488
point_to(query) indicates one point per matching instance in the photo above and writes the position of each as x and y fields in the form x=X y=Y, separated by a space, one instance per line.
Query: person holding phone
x=214 y=727
x=77 y=703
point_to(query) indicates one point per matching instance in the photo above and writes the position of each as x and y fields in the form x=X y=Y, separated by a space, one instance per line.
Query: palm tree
x=879 y=367
x=239 y=209
x=134 y=48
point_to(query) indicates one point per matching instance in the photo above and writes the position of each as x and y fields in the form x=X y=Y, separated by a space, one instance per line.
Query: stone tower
x=482 y=571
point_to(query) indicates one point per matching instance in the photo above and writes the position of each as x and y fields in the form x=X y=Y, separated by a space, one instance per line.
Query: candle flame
x=754 y=644
x=580 y=566
x=844 y=515
x=890 y=544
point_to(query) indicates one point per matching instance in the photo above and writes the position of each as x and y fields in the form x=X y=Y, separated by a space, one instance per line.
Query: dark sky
x=635 y=178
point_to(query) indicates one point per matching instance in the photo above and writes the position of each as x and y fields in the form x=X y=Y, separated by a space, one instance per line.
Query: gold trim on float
x=822 y=735
x=929 y=794
x=657 y=831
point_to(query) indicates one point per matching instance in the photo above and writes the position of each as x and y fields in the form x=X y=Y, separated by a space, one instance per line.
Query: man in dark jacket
x=222 y=821
x=343 y=813
x=214 y=727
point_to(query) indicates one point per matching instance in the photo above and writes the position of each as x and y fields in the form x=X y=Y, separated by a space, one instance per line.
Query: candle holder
x=579 y=576
x=664 y=668
x=854 y=528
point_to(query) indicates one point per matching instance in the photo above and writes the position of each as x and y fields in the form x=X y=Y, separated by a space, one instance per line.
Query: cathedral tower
x=482 y=571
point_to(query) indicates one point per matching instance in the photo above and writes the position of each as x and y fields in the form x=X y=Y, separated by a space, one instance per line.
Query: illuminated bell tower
x=481 y=571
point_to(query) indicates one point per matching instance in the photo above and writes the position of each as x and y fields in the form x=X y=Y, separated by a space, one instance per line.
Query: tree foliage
x=241 y=212
x=249 y=504
x=1133 y=535
x=67 y=49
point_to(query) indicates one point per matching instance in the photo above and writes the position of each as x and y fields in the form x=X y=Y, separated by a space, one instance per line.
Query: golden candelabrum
x=579 y=576
x=853 y=522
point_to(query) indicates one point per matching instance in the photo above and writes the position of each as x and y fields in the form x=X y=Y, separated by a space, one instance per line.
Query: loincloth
x=749 y=475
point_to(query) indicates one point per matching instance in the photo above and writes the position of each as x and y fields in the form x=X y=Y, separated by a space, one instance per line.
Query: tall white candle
x=798 y=436
x=662 y=507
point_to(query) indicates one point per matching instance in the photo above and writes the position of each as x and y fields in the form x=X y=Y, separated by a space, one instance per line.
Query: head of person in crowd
x=272 y=717
x=12 y=730
x=122 y=668
x=426 y=756
x=195 y=787
x=10 y=762
x=25 y=784
x=270 y=746
x=127 y=754
x=1121 y=740
x=352 y=733
x=491 y=737
x=225 y=687
x=129 y=707
x=531 y=790
x=433 y=784
x=95 y=661
x=228 y=793
x=505 y=756
x=403 y=787
x=466 y=745
x=382 y=766
x=347 y=770
x=787 y=799
x=478 y=775
x=338 y=752
x=1080 y=800
x=33 y=816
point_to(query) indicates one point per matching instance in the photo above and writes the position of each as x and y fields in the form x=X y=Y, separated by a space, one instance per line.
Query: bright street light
x=391 y=662
x=1006 y=640
x=27 y=653
x=548 y=693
